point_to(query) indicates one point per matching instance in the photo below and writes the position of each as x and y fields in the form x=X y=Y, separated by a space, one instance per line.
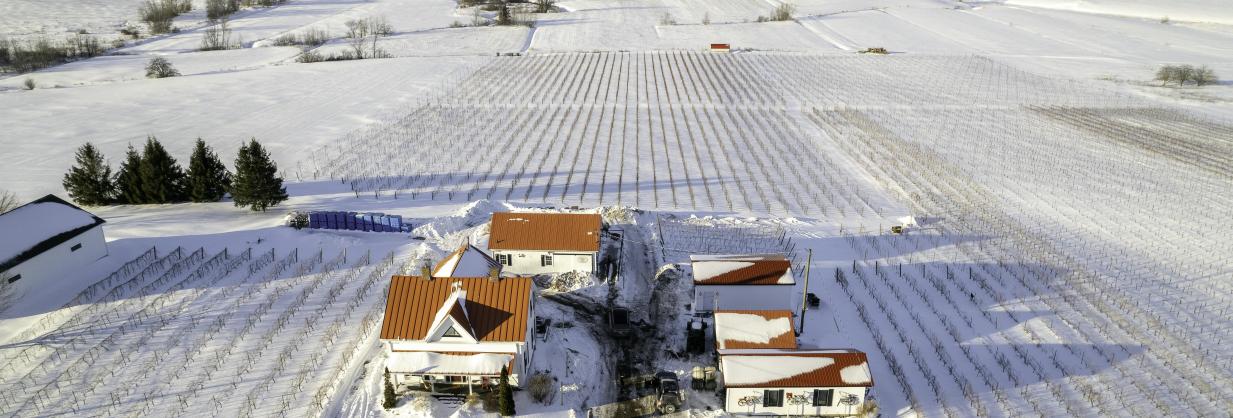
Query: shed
x=47 y=238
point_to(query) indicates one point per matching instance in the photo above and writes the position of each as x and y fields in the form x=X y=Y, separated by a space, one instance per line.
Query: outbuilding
x=794 y=382
x=742 y=282
x=545 y=243
x=47 y=238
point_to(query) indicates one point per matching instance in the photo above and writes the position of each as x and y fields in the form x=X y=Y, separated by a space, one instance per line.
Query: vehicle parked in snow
x=667 y=393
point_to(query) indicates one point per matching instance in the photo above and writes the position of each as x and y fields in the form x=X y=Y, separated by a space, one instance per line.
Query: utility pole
x=805 y=291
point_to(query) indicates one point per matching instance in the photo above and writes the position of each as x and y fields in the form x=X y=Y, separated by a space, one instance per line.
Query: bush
x=218 y=9
x=159 y=67
x=309 y=56
x=8 y=201
x=217 y=37
x=540 y=387
x=309 y=37
x=28 y=84
x=391 y=397
x=545 y=6
x=158 y=14
x=667 y=20
x=783 y=12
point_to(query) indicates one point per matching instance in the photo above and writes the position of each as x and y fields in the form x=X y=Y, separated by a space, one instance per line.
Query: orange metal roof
x=545 y=231
x=496 y=310
x=785 y=340
x=760 y=272
x=829 y=376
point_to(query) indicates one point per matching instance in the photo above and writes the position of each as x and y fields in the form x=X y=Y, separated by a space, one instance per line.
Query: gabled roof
x=794 y=368
x=742 y=269
x=754 y=329
x=453 y=314
x=496 y=310
x=466 y=261
x=545 y=231
x=39 y=226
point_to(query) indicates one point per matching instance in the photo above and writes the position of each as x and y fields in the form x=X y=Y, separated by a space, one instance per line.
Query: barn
x=47 y=238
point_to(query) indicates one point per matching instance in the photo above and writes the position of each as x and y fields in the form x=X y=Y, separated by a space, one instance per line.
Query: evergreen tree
x=128 y=180
x=391 y=398
x=89 y=181
x=208 y=178
x=505 y=395
x=162 y=180
x=256 y=183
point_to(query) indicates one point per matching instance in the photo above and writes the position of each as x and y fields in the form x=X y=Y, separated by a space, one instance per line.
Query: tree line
x=153 y=176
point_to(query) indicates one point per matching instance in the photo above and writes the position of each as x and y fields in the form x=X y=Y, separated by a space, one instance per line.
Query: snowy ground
x=1069 y=260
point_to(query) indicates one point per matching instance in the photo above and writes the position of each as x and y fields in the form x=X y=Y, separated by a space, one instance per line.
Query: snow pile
x=471 y=215
x=750 y=328
x=618 y=214
x=425 y=362
x=570 y=281
x=27 y=226
x=754 y=370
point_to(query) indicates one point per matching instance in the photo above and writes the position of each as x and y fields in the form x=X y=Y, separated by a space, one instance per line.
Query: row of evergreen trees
x=154 y=176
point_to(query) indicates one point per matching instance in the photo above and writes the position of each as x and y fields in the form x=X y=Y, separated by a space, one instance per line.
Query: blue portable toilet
x=351 y=221
x=395 y=222
x=335 y=221
x=314 y=220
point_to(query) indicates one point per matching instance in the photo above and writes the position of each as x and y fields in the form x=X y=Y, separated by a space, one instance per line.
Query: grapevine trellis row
x=213 y=334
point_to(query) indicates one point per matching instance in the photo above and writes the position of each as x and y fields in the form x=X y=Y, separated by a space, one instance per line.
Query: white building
x=453 y=335
x=794 y=382
x=545 y=243
x=742 y=282
x=47 y=238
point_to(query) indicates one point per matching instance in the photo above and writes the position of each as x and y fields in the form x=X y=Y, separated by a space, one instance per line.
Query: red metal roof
x=496 y=310
x=770 y=362
x=545 y=231
x=785 y=340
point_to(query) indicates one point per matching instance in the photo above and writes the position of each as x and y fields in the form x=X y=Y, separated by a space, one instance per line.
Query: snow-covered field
x=1069 y=258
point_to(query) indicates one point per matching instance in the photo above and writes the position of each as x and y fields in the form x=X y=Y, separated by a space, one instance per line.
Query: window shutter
x=772 y=397
x=823 y=397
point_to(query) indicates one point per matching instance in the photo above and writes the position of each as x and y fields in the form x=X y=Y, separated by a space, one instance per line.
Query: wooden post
x=805 y=291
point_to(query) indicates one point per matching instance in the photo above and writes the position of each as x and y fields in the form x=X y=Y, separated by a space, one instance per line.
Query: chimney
x=494 y=273
x=426 y=271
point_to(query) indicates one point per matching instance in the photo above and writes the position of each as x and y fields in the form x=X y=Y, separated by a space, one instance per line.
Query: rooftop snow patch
x=754 y=329
x=742 y=269
x=467 y=261
x=448 y=363
x=794 y=368
x=38 y=226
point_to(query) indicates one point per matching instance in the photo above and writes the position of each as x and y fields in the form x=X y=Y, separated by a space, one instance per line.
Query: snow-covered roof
x=742 y=269
x=423 y=362
x=794 y=368
x=39 y=226
x=754 y=329
x=467 y=261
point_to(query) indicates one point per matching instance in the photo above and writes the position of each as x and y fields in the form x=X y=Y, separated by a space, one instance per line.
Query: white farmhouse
x=794 y=382
x=742 y=282
x=47 y=238
x=545 y=243
x=453 y=335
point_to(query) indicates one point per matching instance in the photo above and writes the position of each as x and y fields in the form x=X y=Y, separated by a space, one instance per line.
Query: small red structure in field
x=721 y=48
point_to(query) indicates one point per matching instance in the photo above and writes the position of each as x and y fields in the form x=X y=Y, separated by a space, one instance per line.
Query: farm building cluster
x=458 y=325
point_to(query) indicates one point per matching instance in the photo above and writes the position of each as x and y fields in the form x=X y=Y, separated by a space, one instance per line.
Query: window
x=75 y=247
x=823 y=397
x=456 y=379
x=14 y=278
x=451 y=332
x=772 y=397
x=505 y=259
x=545 y=260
